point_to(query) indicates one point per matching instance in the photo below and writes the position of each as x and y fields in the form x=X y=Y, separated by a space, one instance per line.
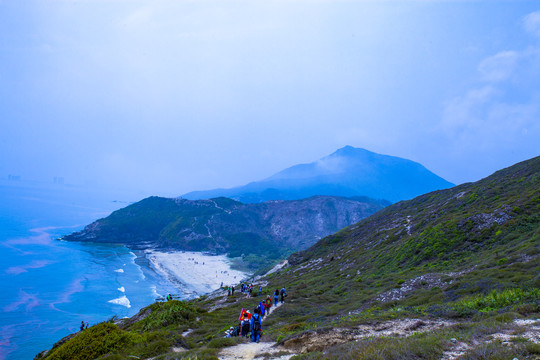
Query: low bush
x=497 y=351
x=224 y=342
x=165 y=314
x=497 y=300
x=93 y=342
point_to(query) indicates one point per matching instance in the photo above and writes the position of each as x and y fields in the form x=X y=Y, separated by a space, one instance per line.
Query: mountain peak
x=348 y=171
x=350 y=151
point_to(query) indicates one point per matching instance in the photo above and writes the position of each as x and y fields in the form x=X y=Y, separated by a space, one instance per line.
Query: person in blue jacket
x=256 y=326
x=263 y=310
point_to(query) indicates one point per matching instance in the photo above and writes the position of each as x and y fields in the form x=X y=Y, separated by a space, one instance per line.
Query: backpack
x=245 y=327
x=257 y=324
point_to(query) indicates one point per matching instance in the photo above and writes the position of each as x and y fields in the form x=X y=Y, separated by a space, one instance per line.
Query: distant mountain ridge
x=347 y=172
x=222 y=225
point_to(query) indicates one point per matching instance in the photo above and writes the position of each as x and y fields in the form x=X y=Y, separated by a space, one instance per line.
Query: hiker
x=229 y=291
x=268 y=303
x=283 y=295
x=263 y=310
x=230 y=332
x=250 y=290
x=86 y=325
x=82 y=325
x=276 y=297
x=232 y=290
x=260 y=290
x=256 y=326
x=245 y=325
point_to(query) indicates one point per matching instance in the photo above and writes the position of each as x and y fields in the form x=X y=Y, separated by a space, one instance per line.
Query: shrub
x=94 y=342
x=224 y=342
x=497 y=300
x=167 y=313
x=497 y=351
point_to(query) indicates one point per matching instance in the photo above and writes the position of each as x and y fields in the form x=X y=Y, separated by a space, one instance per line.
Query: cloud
x=498 y=117
x=465 y=111
x=500 y=66
x=531 y=23
x=139 y=17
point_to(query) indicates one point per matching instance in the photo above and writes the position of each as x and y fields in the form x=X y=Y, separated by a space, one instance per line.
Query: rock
x=415 y=325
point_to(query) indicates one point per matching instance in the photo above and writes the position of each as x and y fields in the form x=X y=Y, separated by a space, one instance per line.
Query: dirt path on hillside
x=251 y=350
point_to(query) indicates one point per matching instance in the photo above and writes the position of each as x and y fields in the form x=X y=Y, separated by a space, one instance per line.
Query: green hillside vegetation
x=466 y=256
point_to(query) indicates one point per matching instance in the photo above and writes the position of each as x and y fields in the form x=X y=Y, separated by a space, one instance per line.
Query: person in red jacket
x=268 y=304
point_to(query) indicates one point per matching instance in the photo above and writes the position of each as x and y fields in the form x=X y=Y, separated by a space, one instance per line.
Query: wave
x=122 y=289
x=119 y=270
x=124 y=301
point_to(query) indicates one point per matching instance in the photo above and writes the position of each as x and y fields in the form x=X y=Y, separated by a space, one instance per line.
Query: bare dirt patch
x=266 y=350
x=425 y=281
x=317 y=340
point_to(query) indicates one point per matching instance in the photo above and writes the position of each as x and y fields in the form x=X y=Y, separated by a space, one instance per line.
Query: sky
x=162 y=97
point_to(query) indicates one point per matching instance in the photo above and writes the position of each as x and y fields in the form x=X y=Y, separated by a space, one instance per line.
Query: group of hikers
x=83 y=325
x=245 y=289
x=250 y=325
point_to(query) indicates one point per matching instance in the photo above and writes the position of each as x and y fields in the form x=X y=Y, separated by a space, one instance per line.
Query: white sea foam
x=154 y=291
x=124 y=301
x=119 y=270
x=122 y=289
x=195 y=272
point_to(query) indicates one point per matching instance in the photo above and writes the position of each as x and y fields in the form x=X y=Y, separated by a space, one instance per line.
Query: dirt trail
x=250 y=350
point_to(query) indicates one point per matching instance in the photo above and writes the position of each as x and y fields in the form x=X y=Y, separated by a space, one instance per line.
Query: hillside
x=450 y=274
x=347 y=172
x=264 y=230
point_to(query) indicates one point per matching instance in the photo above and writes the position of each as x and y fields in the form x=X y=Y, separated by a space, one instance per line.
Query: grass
x=418 y=346
x=496 y=350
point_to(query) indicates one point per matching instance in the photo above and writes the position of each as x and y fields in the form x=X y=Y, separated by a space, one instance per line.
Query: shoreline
x=193 y=273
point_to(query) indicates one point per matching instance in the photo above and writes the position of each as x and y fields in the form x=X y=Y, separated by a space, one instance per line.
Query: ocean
x=49 y=286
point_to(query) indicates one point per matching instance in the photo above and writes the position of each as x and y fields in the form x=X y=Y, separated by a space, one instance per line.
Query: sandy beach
x=194 y=273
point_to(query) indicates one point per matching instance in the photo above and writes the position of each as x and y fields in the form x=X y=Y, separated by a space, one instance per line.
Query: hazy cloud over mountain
x=165 y=97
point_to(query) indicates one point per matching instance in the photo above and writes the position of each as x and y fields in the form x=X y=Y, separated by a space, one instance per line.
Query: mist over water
x=50 y=286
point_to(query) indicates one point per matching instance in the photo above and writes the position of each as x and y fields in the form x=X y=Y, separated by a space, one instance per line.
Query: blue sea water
x=49 y=286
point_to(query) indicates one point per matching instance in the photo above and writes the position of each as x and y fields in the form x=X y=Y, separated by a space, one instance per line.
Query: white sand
x=194 y=273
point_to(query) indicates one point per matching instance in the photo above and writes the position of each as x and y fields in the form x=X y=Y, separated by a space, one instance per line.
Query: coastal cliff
x=222 y=225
